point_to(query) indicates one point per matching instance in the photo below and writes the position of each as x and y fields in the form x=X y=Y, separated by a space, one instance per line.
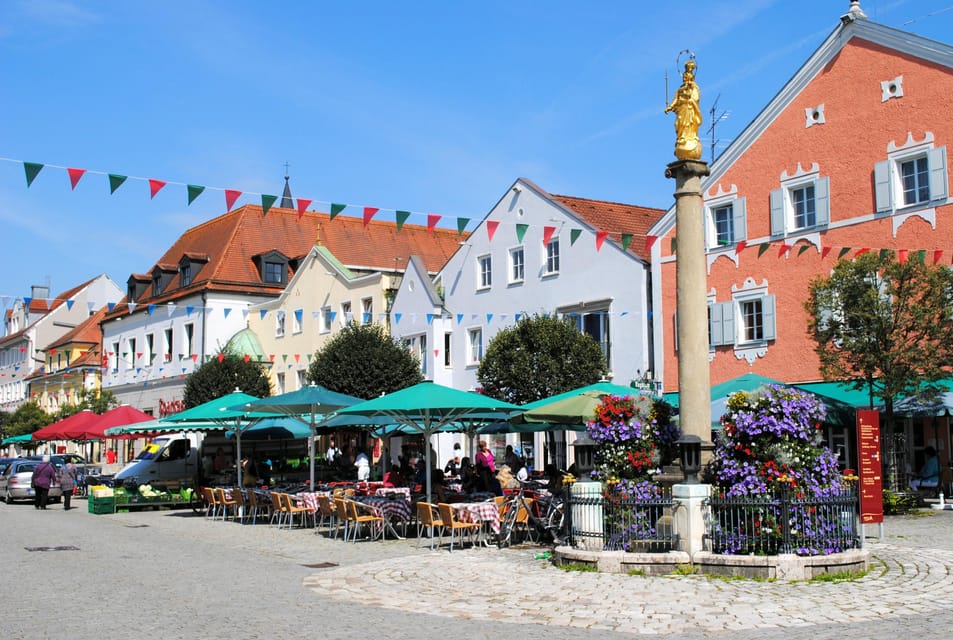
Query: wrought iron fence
x=786 y=521
x=621 y=522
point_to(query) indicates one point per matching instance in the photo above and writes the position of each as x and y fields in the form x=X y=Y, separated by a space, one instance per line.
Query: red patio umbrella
x=118 y=417
x=57 y=430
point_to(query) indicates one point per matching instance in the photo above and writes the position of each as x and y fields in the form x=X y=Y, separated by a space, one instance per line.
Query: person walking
x=44 y=476
x=67 y=482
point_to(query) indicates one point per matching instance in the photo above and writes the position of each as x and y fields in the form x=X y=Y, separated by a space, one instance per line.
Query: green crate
x=100 y=506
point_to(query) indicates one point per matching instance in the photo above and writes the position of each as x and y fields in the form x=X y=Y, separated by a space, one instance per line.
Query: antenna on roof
x=715 y=119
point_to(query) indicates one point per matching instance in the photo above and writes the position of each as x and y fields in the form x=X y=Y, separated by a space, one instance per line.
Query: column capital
x=686 y=169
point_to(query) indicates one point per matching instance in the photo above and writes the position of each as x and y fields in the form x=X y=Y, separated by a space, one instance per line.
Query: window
x=302 y=378
x=913 y=175
x=325 y=324
x=114 y=357
x=517 y=265
x=297 y=314
x=274 y=272
x=747 y=319
x=168 y=346
x=346 y=315
x=131 y=354
x=484 y=272
x=367 y=310
x=474 y=346
x=552 y=257
x=150 y=348
x=752 y=320
x=280 y=323
x=726 y=219
x=185 y=274
x=189 y=331
x=593 y=319
x=801 y=203
x=724 y=225
x=280 y=383
x=447 y=341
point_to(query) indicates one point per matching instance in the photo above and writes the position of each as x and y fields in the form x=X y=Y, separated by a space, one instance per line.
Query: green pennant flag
x=32 y=169
x=843 y=252
x=336 y=209
x=763 y=247
x=115 y=181
x=521 y=231
x=574 y=235
x=194 y=191
x=626 y=241
x=803 y=248
x=673 y=245
x=884 y=254
x=462 y=225
x=266 y=202
x=401 y=217
x=921 y=255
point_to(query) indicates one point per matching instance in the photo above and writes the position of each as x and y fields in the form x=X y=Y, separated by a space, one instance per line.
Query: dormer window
x=185 y=274
x=136 y=286
x=273 y=267
x=189 y=266
x=161 y=277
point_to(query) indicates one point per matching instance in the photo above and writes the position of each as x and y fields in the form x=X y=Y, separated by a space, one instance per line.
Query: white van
x=166 y=462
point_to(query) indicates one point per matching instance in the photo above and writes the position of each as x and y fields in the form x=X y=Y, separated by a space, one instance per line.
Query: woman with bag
x=67 y=482
x=44 y=476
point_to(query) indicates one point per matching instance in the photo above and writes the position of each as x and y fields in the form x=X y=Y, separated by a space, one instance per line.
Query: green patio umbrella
x=26 y=437
x=571 y=413
x=427 y=407
x=306 y=405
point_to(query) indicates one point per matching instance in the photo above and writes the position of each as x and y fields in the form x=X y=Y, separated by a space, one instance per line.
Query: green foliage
x=362 y=360
x=839 y=576
x=581 y=567
x=899 y=503
x=96 y=400
x=223 y=375
x=26 y=419
x=539 y=357
x=882 y=325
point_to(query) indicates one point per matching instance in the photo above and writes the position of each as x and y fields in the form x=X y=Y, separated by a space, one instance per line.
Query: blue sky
x=431 y=107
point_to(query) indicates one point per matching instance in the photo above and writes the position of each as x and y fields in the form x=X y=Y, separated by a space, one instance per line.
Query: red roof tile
x=45 y=305
x=87 y=332
x=617 y=219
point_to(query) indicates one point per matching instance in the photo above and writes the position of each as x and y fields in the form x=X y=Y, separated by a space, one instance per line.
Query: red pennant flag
x=600 y=238
x=548 y=232
x=155 y=186
x=902 y=255
x=432 y=220
x=650 y=242
x=247 y=357
x=491 y=226
x=231 y=195
x=370 y=212
x=937 y=254
x=221 y=357
x=784 y=248
x=436 y=353
x=825 y=249
x=303 y=205
x=297 y=357
x=271 y=357
x=862 y=251
x=74 y=176
x=740 y=247
x=195 y=357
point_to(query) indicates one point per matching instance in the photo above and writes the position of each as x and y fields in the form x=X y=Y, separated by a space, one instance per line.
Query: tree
x=884 y=325
x=26 y=419
x=96 y=400
x=362 y=360
x=539 y=357
x=221 y=375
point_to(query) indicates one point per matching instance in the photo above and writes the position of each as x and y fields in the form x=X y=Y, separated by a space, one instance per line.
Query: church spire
x=287 y=202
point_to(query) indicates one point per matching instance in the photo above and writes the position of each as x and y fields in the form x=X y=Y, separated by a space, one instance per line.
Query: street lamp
x=690 y=450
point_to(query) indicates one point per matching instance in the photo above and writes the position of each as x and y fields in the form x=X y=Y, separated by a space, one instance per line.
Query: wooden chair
x=341 y=511
x=277 y=508
x=226 y=503
x=522 y=519
x=257 y=504
x=211 y=502
x=446 y=515
x=241 y=504
x=327 y=513
x=374 y=522
x=426 y=518
x=291 y=508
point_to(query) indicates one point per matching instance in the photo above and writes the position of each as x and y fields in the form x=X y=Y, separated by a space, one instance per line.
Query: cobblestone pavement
x=168 y=574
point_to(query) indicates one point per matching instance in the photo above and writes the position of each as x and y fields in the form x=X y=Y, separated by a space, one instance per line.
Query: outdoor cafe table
x=403 y=492
x=390 y=509
x=487 y=514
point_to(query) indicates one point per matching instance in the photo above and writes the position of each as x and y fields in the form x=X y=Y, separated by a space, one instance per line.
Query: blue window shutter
x=822 y=202
x=768 y=319
x=882 y=195
x=936 y=160
x=739 y=208
x=728 y=320
x=777 y=212
x=716 y=325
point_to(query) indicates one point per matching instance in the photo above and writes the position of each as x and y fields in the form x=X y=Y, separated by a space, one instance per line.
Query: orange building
x=850 y=155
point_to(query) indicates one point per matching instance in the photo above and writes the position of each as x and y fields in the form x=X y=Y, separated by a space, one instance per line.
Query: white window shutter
x=882 y=191
x=822 y=201
x=768 y=318
x=939 y=180
x=740 y=220
x=777 y=212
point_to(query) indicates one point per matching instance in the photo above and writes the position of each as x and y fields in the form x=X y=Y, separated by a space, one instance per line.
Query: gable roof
x=232 y=240
x=45 y=305
x=852 y=25
x=86 y=332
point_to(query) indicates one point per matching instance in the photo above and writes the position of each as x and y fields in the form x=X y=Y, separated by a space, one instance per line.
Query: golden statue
x=688 y=116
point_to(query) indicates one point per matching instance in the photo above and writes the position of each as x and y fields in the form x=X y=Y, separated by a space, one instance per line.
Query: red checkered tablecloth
x=479 y=512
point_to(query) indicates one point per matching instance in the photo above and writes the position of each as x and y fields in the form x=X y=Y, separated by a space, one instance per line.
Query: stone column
x=691 y=277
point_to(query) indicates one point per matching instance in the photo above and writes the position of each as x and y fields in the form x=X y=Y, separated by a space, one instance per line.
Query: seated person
x=436 y=485
x=420 y=475
x=452 y=467
x=929 y=476
x=393 y=478
x=554 y=479
x=469 y=477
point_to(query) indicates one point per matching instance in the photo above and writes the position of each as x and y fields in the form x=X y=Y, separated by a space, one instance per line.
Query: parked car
x=15 y=481
x=86 y=473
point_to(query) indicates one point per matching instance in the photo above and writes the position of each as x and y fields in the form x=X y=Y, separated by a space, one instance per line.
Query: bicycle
x=519 y=512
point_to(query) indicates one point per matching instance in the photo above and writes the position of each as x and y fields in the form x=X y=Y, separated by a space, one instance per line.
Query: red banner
x=869 y=467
